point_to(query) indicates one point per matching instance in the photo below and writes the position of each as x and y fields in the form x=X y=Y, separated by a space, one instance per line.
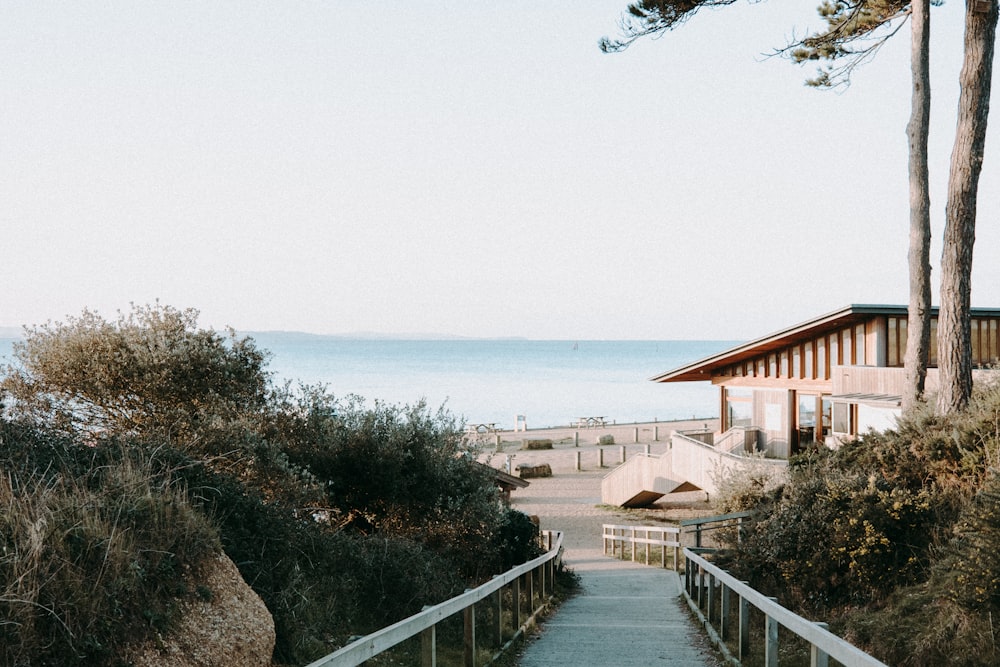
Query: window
x=808 y=367
x=739 y=407
x=772 y=365
x=796 y=362
x=845 y=339
x=842 y=418
x=835 y=350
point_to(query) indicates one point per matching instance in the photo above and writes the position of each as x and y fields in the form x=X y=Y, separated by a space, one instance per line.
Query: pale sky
x=468 y=168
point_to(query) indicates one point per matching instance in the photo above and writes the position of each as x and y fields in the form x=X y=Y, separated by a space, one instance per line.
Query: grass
x=90 y=565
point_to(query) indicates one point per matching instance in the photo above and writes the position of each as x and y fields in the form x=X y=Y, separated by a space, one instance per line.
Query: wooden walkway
x=625 y=613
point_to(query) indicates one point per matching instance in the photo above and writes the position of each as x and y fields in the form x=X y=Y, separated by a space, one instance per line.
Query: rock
x=540 y=470
x=225 y=625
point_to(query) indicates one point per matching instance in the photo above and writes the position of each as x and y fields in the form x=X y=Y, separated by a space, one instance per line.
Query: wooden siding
x=867 y=380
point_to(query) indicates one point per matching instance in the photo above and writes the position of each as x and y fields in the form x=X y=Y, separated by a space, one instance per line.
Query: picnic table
x=591 y=422
x=484 y=427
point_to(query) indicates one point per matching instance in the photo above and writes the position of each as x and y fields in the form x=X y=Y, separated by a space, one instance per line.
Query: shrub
x=742 y=488
x=606 y=440
x=537 y=444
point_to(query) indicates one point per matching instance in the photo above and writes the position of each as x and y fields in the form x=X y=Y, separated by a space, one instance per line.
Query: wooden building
x=823 y=380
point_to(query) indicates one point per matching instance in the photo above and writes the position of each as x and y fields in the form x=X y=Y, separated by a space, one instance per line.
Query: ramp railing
x=530 y=586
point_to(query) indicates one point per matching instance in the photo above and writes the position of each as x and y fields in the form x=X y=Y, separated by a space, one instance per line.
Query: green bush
x=605 y=440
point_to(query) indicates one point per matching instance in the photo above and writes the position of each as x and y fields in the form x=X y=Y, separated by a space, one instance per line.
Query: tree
x=918 y=339
x=150 y=372
x=870 y=23
x=954 y=322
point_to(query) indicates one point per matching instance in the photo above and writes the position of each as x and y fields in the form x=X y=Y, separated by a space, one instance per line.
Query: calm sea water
x=550 y=382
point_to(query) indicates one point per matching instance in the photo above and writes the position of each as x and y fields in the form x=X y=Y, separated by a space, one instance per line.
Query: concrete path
x=626 y=613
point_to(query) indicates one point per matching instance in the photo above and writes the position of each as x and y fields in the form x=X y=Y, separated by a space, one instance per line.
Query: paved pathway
x=626 y=613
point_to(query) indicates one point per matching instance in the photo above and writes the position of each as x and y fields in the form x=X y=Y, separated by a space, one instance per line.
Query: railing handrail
x=381 y=640
x=714 y=519
x=833 y=646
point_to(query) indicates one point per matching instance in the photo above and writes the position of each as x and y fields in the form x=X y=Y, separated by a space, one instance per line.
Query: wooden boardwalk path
x=626 y=613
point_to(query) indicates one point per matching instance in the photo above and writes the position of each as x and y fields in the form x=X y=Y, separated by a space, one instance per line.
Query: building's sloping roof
x=703 y=369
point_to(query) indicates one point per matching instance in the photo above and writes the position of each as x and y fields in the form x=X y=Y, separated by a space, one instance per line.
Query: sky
x=463 y=168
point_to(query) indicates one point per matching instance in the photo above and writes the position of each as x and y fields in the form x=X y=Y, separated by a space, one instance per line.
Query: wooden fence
x=529 y=586
x=621 y=540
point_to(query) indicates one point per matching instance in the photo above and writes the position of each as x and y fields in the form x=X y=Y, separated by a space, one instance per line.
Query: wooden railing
x=530 y=586
x=710 y=591
x=703 y=524
x=621 y=540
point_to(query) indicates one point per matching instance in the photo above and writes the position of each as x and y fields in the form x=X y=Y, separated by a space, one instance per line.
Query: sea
x=549 y=382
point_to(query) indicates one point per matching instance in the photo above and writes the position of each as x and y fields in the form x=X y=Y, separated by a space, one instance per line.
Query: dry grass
x=89 y=564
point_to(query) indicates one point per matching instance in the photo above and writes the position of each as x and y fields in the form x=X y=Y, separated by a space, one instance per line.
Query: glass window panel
x=760 y=367
x=893 y=341
x=739 y=413
x=808 y=366
x=902 y=341
x=796 y=362
x=784 y=364
x=977 y=357
x=842 y=417
x=845 y=339
x=822 y=360
x=994 y=353
x=934 y=345
x=835 y=350
x=826 y=415
x=859 y=344
x=772 y=365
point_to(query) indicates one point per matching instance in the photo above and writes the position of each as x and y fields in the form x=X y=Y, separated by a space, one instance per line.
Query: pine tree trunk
x=919 y=320
x=954 y=323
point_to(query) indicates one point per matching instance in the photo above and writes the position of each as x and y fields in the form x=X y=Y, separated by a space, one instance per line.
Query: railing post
x=577 y=457
x=632 y=544
x=677 y=559
x=498 y=623
x=469 y=642
x=770 y=640
x=541 y=583
x=818 y=658
x=656 y=434
x=621 y=454
x=428 y=646
x=701 y=587
x=725 y=609
x=744 y=627
x=531 y=593
x=515 y=606
x=710 y=597
x=600 y=457
x=645 y=449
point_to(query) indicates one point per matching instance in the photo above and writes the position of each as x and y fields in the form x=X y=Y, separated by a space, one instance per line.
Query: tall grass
x=92 y=563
